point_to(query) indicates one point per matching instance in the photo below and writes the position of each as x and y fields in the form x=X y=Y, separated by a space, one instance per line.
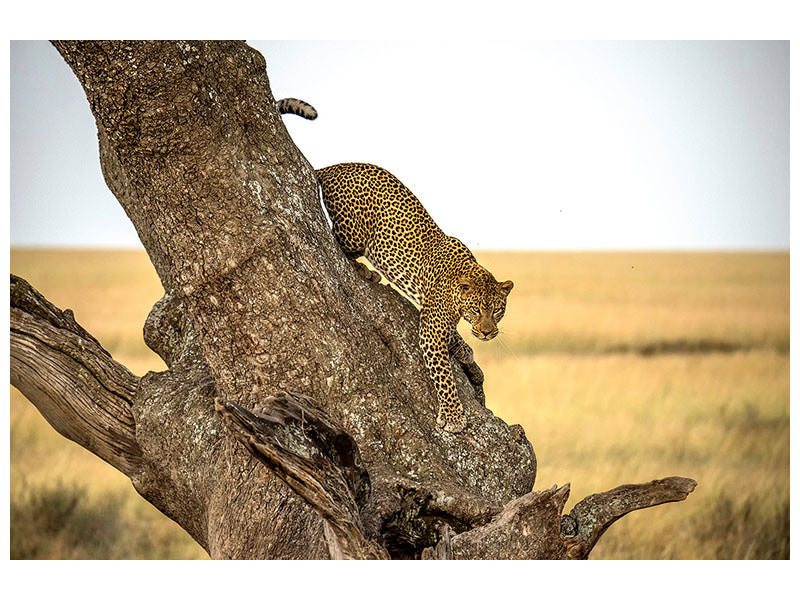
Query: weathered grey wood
x=590 y=517
x=527 y=527
x=76 y=385
x=316 y=458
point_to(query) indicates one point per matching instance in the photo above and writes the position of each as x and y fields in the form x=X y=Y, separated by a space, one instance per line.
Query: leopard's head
x=482 y=301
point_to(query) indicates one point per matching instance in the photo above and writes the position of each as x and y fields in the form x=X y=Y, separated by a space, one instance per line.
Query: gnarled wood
x=316 y=458
x=76 y=385
x=590 y=517
x=526 y=527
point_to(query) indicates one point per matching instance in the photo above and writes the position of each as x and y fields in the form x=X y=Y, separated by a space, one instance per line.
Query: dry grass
x=621 y=367
x=605 y=301
x=65 y=502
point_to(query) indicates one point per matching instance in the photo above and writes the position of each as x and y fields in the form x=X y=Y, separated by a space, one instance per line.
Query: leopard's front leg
x=434 y=335
x=460 y=350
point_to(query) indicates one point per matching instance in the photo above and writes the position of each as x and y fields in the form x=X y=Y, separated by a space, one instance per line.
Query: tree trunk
x=296 y=418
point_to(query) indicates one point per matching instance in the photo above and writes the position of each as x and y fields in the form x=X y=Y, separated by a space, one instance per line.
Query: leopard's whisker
x=506 y=346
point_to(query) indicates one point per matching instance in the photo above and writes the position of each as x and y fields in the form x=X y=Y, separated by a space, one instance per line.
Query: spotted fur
x=376 y=216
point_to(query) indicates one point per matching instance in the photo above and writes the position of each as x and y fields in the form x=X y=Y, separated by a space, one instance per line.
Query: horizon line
x=675 y=249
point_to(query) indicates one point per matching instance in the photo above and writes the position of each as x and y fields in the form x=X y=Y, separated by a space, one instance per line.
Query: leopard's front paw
x=451 y=423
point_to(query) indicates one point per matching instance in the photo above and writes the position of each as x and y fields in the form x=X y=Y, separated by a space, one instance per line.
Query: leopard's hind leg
x=362 y=269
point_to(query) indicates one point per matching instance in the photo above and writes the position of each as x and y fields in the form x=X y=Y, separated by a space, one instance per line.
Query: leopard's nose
x=487 y=331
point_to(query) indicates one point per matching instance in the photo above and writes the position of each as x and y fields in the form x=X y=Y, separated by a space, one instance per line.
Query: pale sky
x=540 y=145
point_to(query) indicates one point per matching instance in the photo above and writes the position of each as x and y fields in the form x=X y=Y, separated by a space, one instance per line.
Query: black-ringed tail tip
x=296 y=107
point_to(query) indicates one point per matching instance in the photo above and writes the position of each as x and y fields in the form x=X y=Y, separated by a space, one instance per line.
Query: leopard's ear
x=506 y=287
x=465 y=284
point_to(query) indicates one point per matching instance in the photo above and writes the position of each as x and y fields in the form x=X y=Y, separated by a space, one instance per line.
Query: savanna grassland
x=621 y=367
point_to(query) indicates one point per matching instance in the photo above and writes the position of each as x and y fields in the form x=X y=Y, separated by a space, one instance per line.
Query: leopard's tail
x=296 y=107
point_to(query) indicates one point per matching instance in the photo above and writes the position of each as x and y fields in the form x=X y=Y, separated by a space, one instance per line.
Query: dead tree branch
x=590 y=517
x=76 y=385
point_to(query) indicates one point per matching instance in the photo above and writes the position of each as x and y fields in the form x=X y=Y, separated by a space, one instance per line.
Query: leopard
x=375 y=216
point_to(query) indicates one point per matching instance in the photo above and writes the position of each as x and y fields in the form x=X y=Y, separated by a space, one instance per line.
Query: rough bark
x=317 y=459
x=329 y=447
